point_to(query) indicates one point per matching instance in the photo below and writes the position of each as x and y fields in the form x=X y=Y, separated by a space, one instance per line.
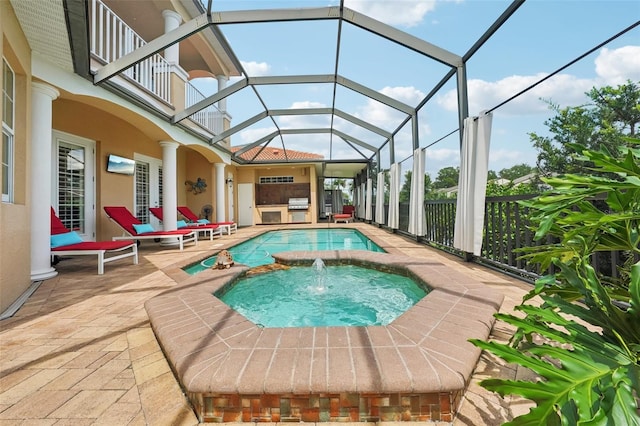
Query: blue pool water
x=345 y=295
x=257 y=251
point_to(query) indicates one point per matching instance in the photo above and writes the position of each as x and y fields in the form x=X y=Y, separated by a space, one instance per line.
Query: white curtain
x=417 y=221
x=380 y=199
x=472 y=184
x=394 y=195
x=368 y=213
x=320 y=193
x=336 y=201
x=363 y=200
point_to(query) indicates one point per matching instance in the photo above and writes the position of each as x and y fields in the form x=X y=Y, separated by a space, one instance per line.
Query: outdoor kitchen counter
x=280 y=213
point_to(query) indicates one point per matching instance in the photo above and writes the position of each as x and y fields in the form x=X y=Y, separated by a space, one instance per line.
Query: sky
x=540 y=38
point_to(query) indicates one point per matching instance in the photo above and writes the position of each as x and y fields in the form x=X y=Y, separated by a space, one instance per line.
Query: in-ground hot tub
x=415 y=368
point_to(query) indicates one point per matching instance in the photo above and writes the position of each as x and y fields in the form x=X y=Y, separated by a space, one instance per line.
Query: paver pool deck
x=81 y=350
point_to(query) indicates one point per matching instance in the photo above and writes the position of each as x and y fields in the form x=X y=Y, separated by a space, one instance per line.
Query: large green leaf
x=583 y=341
x=583 y=376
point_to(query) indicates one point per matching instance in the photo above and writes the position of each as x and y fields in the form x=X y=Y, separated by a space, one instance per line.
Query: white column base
x=170 y=242
x=43 y=274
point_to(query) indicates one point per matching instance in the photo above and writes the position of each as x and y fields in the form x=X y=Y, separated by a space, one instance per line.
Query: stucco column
x=222 y=83
x=220 y=191
x=169 y=184
x=42 y=97
x=172 y=21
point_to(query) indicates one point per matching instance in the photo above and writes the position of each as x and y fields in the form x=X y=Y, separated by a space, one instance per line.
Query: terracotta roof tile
x=276 y=154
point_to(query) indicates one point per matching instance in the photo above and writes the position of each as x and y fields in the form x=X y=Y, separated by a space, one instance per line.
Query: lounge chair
x=346 y=215
x=122 y=217
x=192 y=218
x=210 y=229
x=68 y=243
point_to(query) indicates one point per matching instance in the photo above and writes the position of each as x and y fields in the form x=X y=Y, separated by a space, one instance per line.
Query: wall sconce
x=228 y=181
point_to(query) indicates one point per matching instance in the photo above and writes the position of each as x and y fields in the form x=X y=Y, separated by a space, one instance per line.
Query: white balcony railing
x=112 y=38
x=210 y=117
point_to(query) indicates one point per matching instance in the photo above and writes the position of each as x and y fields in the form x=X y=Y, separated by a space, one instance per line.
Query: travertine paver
x=69 y=328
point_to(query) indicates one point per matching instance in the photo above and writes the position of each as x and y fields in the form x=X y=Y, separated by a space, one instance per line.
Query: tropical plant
x=583 y=340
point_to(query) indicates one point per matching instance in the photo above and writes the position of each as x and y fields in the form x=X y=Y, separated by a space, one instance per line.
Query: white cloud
x=443 y=154
x=504 y=155
x=612 y=67
x=407 y=13
x=252 y=135
x=563 y=89
x=255 y=69
x=384 y=116
x=617 y=66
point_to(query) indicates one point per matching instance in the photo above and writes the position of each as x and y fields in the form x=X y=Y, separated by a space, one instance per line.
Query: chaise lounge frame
x=209 y=229
x=118 y=214
x=102 y=249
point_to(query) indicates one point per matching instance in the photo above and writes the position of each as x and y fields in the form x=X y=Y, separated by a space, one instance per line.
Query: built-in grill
x=298 y=204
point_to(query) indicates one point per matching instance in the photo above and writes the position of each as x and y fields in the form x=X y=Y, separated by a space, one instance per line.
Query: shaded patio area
x=81 y=350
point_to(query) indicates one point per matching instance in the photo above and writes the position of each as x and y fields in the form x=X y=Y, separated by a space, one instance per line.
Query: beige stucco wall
x=112 y=135
x=15 y=248
x=196 y=166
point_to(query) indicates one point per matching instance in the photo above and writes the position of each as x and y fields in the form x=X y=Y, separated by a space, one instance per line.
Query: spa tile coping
x=214 y=349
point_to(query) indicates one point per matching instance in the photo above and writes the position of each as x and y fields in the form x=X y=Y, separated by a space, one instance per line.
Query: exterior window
x=8 y=93
x=276 y=179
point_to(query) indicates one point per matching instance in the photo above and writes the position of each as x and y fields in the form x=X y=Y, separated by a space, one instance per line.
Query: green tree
x=429 y=190
x=447 y=177
x=405 y=191
x=516 y=171
x=612 y=114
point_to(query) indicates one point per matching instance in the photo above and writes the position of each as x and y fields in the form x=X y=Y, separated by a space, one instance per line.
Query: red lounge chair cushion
x=57 y=227
x=156 y=211
x=123 y=217
x=95 y=245
x=186 y=212
x=181 y=224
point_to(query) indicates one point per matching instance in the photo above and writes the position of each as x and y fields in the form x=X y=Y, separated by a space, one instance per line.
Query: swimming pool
x=257 y=251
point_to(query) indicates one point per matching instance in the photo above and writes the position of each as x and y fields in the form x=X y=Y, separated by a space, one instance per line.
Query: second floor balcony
x=116 y=30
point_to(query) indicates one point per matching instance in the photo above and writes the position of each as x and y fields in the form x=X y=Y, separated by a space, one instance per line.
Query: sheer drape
x=394 y=195
x=417 y=221
x=380 y=199
x=368 y=211
x=472 y=184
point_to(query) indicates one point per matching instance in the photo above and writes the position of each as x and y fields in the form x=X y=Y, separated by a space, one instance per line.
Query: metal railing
x=507 y=229
x=210 y=117
x=111 y=38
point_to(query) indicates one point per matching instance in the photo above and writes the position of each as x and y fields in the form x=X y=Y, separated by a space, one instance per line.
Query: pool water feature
x=415 y=368
x=322 y=295
x=257 y=251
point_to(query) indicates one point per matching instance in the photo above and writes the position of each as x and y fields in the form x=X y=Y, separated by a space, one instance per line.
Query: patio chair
x=193 y=218
x=207 y=229
x=137 y=230
x=346 y=215
x=68 y=243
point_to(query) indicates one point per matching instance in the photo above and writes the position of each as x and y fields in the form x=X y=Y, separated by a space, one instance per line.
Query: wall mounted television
x=117 y=164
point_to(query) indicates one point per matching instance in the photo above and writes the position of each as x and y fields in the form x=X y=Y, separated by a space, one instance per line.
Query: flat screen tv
x=117 y=164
